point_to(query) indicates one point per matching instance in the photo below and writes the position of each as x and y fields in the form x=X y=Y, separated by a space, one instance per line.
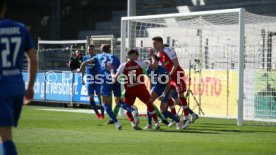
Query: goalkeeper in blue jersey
x=15 y=43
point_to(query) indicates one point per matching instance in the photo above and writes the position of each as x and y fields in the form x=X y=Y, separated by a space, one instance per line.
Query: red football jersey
x=133 y=70
x=166 y=58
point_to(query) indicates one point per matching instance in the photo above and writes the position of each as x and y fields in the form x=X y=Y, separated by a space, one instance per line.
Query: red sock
x=171 y=106
x=130 y=117
x=184 y=105
x=152 y=111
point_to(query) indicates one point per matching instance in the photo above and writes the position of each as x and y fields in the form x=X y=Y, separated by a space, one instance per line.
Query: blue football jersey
x=91 y=68
x=14 y=42
x=160 y=78
x=107 y=59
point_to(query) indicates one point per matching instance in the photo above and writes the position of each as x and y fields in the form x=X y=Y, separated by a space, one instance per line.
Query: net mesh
x=208 y=47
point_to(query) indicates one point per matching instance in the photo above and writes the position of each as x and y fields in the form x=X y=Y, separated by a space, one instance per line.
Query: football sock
x=190 y=111
x=102 y=108
x=170 y=115
x=184 y=106
x=110 y=112
x=171 y=105
x=93 y=105
x=130 y=117
x=8 y=148
x=152 y=111
x=116 y=110
x=149 y=118
x=158 y=112
x=126 y=107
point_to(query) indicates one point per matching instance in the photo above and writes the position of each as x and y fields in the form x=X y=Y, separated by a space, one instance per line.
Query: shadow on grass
x=225 y=128
x=181 y=131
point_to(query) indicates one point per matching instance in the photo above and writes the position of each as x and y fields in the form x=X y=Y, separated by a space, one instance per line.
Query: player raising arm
x=91 y=70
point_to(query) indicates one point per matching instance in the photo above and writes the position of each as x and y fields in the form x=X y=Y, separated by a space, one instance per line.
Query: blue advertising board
x=60 y=86
x=38 y=86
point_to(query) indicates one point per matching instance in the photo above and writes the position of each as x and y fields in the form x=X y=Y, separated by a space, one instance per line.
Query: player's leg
x=117 y=94
x=173 y=94
x=10 y=109
x=7 y=144
x=194 y=116
x=91 y=89
x=155 y=93
x=181 y=88
x=145 y=97
x=166 y=113
x=149 y=125
x=130 y=99
x=98 y=93
x=106 y=90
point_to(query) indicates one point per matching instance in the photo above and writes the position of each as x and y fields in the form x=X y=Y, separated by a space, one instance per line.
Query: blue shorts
x=174 y=95
x=93 y=88
x=106 y=89
x=10 y=109
x=159 y=92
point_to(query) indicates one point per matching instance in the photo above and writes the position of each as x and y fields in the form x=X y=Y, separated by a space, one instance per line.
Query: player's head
x=132 y=54
x=3 y=7
x=91 y=49
x=157 y=43
x=105 y=48
x=154 y=61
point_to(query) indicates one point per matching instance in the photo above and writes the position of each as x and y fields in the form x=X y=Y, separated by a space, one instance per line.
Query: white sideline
x=85 y=111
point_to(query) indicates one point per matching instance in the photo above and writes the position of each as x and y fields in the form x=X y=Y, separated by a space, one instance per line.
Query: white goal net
x=230 y=54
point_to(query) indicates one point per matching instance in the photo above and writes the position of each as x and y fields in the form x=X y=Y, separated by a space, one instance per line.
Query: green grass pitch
x=55 y=133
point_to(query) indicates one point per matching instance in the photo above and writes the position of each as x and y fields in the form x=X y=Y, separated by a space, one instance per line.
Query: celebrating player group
x=105 y=74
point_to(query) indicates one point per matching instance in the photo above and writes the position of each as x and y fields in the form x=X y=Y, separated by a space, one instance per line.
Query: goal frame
x=240 y=12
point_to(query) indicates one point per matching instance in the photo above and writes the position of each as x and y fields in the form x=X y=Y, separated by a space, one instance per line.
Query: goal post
x=226 y=45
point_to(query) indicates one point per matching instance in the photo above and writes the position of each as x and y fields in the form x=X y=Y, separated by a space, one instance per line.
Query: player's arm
x=168 y=85
x=119 y=71
x=32 y=69
x=175 y=65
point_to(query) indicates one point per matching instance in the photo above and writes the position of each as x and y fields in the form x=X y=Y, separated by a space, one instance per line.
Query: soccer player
x=134 y=85
x=169 y=60
x=105 y=60
x=91 y=70
x=15 y=41
x=160 y=88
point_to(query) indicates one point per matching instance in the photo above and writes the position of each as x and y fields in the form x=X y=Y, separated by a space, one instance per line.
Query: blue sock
x=102 y=108
x=170 y=115
x=125 y=106
x=149 y=118
x=8 y=148
x=190 y=111
x=93 y=105
x=110 y=112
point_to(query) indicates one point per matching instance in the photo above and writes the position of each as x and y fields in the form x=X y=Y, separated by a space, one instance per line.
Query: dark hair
x=156 y=57
x=105 y=48
x=157 y=38
x=91 y=47
x=3 y=3
x=166 y=45
x=132 y=51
